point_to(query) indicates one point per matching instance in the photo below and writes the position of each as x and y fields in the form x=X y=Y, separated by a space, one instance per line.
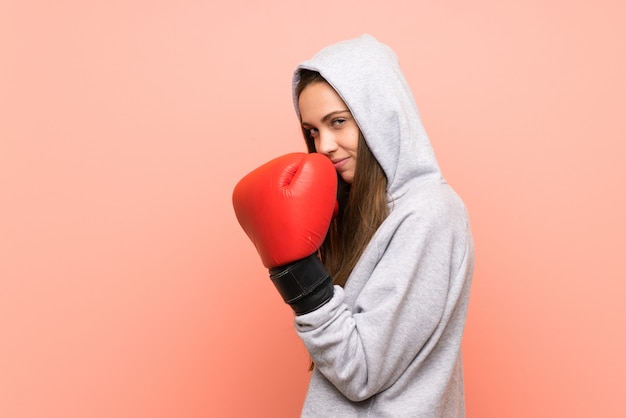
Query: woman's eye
x=313 y=132
x=338 y=122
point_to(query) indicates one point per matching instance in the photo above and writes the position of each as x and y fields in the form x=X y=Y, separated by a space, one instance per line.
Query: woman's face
x=331 y=125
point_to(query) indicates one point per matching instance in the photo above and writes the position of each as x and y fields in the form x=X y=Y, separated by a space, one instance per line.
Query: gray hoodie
x=388 y=344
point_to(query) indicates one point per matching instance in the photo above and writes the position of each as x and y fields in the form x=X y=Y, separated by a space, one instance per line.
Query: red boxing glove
x=286 y=205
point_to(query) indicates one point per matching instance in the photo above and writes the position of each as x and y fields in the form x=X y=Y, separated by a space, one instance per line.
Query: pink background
x=127 y=288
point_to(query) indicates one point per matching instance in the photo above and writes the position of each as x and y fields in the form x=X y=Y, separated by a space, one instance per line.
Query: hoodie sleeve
x=408 y=301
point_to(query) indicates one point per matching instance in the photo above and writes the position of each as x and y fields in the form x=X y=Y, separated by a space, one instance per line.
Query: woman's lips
x=340 y=162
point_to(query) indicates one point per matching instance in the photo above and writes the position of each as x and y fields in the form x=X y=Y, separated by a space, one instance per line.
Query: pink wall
x=127 y=288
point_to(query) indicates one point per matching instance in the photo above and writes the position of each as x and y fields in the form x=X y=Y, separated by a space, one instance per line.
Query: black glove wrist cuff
x=305 y=284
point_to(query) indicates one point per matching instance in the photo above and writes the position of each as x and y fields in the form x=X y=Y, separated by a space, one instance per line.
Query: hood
x=366 y=74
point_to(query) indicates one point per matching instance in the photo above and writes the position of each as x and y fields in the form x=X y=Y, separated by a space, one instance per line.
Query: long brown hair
x=362 y=204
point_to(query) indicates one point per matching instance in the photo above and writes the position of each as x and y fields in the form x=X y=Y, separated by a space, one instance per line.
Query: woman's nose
x=326 y=143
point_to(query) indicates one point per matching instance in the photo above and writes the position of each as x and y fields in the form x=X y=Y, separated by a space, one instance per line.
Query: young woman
x=400 y=251
x=385 y=335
